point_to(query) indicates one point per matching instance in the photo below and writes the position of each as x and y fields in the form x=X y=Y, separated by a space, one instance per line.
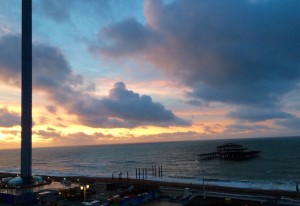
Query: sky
x=116 y=71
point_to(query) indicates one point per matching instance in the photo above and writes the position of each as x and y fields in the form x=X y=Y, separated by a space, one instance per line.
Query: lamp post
x=203 y=184
x=297 y=191
x=84 y=188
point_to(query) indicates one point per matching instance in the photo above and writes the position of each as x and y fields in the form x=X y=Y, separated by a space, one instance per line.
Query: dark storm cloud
x=53 y=69
x=10 y=61
x=239 y=52
x=9 y=119
x=128 y=36
x=53 y=75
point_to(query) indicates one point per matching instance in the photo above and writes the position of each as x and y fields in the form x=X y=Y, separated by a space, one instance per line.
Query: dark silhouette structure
x=26 y=119
x=230 y=151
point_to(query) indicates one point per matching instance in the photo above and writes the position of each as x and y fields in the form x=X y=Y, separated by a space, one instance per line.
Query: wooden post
x=143 y=173
x=139 y=173
x=158 y=171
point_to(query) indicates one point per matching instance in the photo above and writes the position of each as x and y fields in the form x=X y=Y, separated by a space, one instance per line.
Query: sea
x=277 y=168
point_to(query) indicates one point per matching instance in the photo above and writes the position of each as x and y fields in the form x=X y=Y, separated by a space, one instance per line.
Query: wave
x=10 y=170
x=85 y=165
x=255 y=184
x=124 y=162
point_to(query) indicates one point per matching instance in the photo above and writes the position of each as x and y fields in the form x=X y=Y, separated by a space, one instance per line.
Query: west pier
x=230 y=151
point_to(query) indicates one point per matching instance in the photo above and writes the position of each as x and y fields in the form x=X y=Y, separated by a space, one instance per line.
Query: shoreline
x=156 y=183
x=282 y=185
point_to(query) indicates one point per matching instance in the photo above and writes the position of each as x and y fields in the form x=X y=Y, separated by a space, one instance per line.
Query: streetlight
x=203 y=184
x=84 y=188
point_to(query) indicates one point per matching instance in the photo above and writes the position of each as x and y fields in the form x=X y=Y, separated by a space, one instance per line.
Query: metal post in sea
x=139 y=173
x=136 y=173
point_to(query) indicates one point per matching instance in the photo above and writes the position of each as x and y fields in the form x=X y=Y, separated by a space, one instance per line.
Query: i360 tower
x=26 y=119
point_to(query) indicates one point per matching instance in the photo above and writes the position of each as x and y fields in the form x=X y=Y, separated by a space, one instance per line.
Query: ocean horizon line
x=156 y=142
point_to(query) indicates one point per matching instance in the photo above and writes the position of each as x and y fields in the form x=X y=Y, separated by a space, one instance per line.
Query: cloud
x=126 y=107
x=71 y=138
x=48 y=134
x=67 y=10
x=55 y=10
x=52 y=74
x=258 y=114
x=9 y=119
x=172 y=136
x=291 y=123
x=241 y=53
x=10 y=61
x=127 y=37
x=234 y=128
x=123 y=108
x=51 y=109
x=4 y=29
x=211 y=129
